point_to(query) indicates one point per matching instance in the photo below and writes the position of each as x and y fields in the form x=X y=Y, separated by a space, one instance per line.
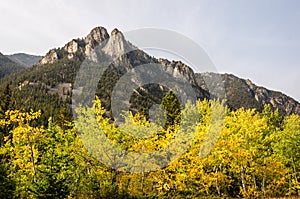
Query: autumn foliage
x=254 y=155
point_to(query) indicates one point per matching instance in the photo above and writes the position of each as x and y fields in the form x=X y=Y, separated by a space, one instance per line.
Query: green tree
x=287 y=148
x=5 y=99
x=22 y=148
x=7 y=184
x=172 y=109
x=272 y=117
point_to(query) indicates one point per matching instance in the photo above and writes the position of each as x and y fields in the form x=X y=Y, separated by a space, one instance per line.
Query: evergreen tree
x=172 y=109
x=5 y=99
x=7 y=185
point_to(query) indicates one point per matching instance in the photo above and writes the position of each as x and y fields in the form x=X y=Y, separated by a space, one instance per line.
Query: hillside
x=244 y=93
x=25 y=59
x=7 y=66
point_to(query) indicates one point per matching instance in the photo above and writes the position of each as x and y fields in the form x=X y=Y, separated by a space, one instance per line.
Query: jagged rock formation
x=113 y=45
x=96 y=37
x=243 y=93
x=49 y=58
x=117 y=45
x=72 y=47
x=179 y=69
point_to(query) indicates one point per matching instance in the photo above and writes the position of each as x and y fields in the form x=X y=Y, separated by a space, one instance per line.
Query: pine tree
x=5 y=99
x=172 y=109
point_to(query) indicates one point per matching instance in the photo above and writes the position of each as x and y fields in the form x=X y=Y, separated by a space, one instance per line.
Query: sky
x=257 y=40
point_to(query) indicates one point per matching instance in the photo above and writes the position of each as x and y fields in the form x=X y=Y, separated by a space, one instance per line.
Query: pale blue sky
x=259 y=40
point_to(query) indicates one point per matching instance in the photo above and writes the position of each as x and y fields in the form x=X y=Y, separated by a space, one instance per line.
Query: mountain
x=25 y=59
x=243 y=93
x=48 y=84
x=7 y=66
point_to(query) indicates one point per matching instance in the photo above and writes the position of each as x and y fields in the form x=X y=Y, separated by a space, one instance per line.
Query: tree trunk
x=142 y=183
x=32 y=160
x=254 y=181
x=294 y=168
x=217 y=183
x=243 y=178
x=263 y=186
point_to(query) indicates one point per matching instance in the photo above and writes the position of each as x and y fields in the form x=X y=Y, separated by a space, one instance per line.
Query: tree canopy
x=256 y=155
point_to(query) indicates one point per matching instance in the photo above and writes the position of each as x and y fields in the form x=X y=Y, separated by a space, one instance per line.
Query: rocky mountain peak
x=113 y=45
x=115 y=32
x=116 y=45
x=96 y=36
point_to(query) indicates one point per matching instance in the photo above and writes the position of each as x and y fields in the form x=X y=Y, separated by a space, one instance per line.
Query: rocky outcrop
x=179 y=69
x=116 y=45
x=113 y=45
x=97 y=37
x=50 y=57
x=72 y=46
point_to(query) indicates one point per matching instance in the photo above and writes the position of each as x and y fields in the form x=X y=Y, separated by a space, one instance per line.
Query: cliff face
x=181 y=70
x=116 y=45
x=243 y=93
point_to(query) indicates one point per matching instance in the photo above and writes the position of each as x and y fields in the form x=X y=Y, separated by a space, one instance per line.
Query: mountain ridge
x=8 y=66
x=244 y=93
x=25 y=59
